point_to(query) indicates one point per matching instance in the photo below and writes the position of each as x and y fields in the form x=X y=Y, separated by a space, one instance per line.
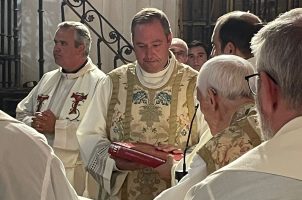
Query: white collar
x=155 y=80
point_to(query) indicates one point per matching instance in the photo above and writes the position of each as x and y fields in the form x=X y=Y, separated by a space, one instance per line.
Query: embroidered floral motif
x=229 y=146
x=41 y=98
x=163 y=98
x=150 y=114
x=145 y=183
x=232 y=142
x=183 y=124
x=140 y=97
x=117 y=125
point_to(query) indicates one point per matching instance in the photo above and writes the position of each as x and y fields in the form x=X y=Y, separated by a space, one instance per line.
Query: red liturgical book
x=143 y=153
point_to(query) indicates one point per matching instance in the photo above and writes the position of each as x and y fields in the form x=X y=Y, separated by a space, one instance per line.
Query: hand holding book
x=142 y=153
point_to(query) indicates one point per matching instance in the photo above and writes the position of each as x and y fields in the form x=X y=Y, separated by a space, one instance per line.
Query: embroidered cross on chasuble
x=41 y=98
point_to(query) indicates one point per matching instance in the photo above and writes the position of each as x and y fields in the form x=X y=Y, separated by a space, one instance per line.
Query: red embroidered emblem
x=77 y=98
x=41 y=98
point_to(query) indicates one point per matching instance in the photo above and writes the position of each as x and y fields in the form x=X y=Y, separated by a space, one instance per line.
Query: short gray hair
x=278 y=51
x=225 y=74
x=180 y=42
x=82 y=34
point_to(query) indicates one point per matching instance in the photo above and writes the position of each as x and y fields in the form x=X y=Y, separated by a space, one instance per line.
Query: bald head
x=179 y=49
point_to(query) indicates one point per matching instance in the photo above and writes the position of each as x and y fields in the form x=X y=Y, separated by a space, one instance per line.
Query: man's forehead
x=197 y=49
x=177 y=47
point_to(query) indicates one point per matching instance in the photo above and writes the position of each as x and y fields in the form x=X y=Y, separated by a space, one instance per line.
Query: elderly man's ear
x=212 y=98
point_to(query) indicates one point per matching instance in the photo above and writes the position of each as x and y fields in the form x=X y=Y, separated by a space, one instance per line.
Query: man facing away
x=273 y=169
x=29 y=169
x=228 y=107
x=151 y=101
x=233 y=32
x=180 y=50
x=59 y=101
x=227 y=39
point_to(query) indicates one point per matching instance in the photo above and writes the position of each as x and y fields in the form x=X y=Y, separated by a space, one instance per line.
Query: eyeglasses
x=252 y=82
x=178 y=53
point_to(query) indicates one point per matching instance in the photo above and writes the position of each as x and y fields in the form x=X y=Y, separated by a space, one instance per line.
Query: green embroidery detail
x=150 y=114
x=163 y=98
x=140 y=97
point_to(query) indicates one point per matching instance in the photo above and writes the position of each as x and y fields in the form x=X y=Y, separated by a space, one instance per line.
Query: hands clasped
x=44 y=122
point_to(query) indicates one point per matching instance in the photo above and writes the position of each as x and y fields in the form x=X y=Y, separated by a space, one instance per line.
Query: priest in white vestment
x=58 y=103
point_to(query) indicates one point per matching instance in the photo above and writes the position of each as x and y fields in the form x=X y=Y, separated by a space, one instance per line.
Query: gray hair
x=180 y=42
x=82 y=34
x=278 y=51
x=148 y=15
x=225 y=74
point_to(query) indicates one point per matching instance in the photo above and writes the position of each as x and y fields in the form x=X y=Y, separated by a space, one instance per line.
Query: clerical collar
x=168 y=63
x=155 y=80
x=73 y=72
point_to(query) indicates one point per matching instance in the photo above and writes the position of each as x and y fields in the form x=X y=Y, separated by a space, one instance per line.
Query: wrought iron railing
x=115 y=41
x=9 y=44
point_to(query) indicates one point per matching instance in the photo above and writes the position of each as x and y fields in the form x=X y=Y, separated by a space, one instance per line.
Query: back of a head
x=245 y=16
x=225 y=74
x=148 y=15
x=278 y=49
x=238 y=27
x=82 y=34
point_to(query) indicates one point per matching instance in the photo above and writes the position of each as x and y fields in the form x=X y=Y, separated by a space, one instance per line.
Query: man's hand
x=44 y=122
x=169 y=148
x=123 y=164
x=164 y=170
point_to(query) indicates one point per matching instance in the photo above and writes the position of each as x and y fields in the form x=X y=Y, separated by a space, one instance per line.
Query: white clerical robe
x=29 y=169
x=270 y=171
x=67 y=95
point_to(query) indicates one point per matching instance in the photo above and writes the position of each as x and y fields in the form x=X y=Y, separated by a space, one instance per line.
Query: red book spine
x=134 y=155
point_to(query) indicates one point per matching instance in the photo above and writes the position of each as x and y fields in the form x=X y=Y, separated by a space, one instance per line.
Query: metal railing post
x=41 y=46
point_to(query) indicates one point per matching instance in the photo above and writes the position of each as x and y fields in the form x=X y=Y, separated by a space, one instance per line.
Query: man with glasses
x=231 y=36
x=273 y=169
x=179 y=49
x=228 y=107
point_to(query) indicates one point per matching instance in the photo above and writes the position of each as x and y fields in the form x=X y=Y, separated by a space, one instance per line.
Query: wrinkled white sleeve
x=94 y=141
x=92 y=128
x=26 y=108
x=196 y=173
